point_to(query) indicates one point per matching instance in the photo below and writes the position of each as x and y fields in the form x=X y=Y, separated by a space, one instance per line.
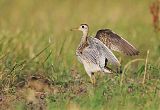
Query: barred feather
x=115 y=42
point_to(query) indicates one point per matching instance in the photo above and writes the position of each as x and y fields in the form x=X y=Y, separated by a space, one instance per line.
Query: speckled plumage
x=94 y=54
x=115 y=42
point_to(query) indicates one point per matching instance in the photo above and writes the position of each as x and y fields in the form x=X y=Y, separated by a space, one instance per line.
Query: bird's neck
x=84 y=37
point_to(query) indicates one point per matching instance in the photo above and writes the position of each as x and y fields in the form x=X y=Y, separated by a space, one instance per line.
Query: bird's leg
x=93 y=79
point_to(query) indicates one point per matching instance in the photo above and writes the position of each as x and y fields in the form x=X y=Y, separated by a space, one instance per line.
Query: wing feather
x=102 y=50
x=115 y=42
x=90 y=55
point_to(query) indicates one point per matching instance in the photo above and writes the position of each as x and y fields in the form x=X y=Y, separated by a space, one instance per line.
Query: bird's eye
x=82 y=26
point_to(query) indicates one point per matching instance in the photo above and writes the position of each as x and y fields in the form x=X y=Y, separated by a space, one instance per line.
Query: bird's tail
x=109 y=70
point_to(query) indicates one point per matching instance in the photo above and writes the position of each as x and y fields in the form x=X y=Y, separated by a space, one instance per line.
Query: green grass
x=35 y=38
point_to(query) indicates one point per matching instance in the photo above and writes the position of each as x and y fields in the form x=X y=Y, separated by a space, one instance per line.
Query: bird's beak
x=74 y=29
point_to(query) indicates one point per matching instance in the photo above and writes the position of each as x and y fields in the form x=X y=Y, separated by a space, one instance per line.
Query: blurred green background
x=41 y=20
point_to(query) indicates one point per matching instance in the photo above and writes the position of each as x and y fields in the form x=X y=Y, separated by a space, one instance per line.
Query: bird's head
x=83 y=27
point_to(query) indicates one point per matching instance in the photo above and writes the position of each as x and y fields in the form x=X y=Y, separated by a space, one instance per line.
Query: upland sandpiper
x=94 y=54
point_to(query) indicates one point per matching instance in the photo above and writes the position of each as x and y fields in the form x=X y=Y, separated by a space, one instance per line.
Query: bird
x=94 y=54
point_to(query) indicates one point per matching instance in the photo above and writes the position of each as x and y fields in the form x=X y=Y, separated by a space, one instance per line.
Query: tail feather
x=109 y=70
